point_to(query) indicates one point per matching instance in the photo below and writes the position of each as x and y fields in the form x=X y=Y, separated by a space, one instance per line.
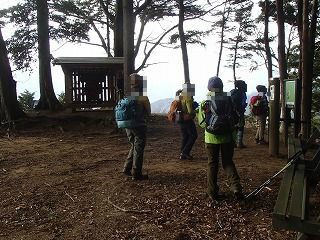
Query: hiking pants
x=261 y=120
x=240 y=130
x=239 y=140
x=226 y=150
x=189 y=135
x=137 y=139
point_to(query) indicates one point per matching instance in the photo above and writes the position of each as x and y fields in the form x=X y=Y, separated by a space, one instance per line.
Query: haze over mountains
x=162 y=106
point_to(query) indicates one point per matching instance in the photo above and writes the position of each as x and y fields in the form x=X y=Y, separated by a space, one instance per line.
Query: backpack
x=220 y=116
x=127 y=113
x=175 y=114
x=238 y=99
x=195 y=105
x=257 y=106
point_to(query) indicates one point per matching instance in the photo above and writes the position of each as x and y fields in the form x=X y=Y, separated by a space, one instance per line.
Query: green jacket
x=209 y=137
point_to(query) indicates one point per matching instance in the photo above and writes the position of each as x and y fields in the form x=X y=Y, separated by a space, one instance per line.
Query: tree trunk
x=118 y=30
x=312 y=33
x=282 y=58
x=312 y=40
x=308 y=43
x=48 y=99
x=266 y=38
x=223 y=25
x=305 y=81
x=235 y=55
x=183 y=43
x=10 y=109
x=108 y=30
x=128 y=43
x=297 y=107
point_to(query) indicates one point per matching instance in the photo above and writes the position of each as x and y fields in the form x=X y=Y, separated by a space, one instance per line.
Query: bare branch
x=147 y=55
x=106 y=10
x=205 y=12
x=89 y=43
x=142 y=7
x=144 y=21
x=150 y=64
x=104 y=45
x=86 y=18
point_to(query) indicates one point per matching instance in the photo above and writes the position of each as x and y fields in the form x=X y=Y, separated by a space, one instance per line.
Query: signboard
x=290 y=92
x=272 y=93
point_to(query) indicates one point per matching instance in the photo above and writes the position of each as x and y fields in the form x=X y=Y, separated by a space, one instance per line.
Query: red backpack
x=256 y=105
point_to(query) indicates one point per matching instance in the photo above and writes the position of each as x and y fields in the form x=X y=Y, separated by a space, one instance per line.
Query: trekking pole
x=294 y=158
x=291 y=160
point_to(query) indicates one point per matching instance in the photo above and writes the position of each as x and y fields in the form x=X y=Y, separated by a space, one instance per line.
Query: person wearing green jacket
x=187 y=126
x=219 y=143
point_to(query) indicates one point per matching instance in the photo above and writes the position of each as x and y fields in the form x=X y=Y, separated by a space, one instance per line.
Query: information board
x=290 y=91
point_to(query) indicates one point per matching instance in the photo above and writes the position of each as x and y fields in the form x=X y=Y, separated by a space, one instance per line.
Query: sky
x=164 y=79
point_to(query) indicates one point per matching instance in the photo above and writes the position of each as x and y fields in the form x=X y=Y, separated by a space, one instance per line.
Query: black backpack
x=220 y=116
x=237 y=100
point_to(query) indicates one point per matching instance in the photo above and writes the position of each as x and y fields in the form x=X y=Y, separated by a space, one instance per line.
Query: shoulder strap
x=213 y=107
x=227 y=104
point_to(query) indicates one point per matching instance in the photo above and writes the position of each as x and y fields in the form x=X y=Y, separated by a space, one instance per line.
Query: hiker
x=219 y=117
x=187 y=126
x=136 y=127
x=259 y=108
x=239 y=99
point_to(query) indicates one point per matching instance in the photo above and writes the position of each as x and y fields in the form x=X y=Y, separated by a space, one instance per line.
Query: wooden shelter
x=92 y=82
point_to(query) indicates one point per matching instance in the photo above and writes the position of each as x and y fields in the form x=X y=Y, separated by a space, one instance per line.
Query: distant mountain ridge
x=161 y=106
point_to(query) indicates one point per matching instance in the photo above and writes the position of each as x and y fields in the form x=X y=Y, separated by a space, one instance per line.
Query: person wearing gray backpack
x=219 y=117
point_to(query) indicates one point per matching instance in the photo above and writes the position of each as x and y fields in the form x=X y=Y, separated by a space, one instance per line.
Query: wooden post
x=128 y=43
x=68 y=89
x=287 y=125
x=297 y=108
x=274 y=116
x=286 y=120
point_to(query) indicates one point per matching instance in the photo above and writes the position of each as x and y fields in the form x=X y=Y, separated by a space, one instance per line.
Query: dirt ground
x=61 y=178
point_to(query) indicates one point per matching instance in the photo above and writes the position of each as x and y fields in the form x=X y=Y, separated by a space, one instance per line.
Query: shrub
x=62 y=98
x=26 y=100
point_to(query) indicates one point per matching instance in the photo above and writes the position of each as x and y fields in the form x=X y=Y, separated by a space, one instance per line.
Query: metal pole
x=274 y=116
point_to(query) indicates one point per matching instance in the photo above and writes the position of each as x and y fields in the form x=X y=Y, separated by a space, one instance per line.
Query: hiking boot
x=257 y=140
x=127 y=172
x=262 y=142
x=140 y=177
x=241 y=145
x=185 y=157
x=217 y=197
x=239 y=196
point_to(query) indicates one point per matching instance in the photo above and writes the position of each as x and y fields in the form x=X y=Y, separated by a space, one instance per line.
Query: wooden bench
x=291 y=211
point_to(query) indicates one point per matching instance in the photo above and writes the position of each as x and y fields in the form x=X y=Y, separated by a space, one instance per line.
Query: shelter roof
x=88 y=60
